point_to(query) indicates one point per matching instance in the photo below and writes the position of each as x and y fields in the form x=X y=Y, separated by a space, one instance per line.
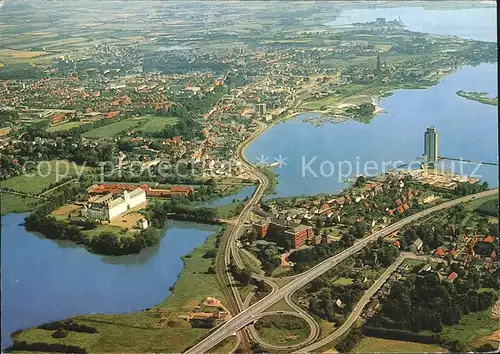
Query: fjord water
x=467 y=129
x=473 y=23
x=44 y=280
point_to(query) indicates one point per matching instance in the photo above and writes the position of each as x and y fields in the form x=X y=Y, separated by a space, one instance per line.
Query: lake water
x=467 y=129
x=44 y=280
x=478 y=23
x=243 y=193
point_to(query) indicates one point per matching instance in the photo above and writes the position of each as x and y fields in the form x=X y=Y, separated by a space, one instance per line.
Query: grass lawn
x=280 y=306
x=110 y=130
x=250 y=262
x=343 y=281
x=136 y=332
x=225 y=346
x=282 y=329
x=156 y=124
x=476 y=203
x=372 y=273
x=372 y=344
x=228 y=211
x=106 y=228
x=47 y=173
x=10 y=203
x=325 y=326
x=64 y=126
x=471 y=327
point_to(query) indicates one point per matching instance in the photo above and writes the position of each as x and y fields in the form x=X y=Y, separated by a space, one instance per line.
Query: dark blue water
x=467 y=129
x=243 y=193
x=43 y=280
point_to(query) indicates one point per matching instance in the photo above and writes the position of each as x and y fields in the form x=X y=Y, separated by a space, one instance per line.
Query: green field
x=64 y=126
x=110 y=130
x=136 y=332
x=229 y=210
x=16 y=204
x=471 y=327
x=282 y=329
x=380 y=345
x=476 y=203
x=343 y=281
x=156 y=124
x=45 y=174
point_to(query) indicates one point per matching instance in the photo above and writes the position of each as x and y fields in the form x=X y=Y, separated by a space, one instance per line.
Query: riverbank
x=395 y=135
x=141 y=331
x=481 y=97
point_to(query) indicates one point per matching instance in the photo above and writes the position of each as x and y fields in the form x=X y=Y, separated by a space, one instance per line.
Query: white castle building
x=107 y=207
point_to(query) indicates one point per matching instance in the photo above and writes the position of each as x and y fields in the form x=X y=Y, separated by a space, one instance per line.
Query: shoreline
x=186 y=259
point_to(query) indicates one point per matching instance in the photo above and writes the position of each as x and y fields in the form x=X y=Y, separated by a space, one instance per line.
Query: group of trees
x=269 y=256
x=466 y=188
x=108 y=243
x=424 y=303
x=157 y=213
x=306 y=258
x=323 y=304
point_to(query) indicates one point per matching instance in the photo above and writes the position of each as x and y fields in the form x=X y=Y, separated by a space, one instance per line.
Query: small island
x=481 y=97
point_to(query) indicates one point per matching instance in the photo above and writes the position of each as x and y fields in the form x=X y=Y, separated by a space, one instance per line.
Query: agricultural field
x=110 y=130
x=11 y=56
x=47 y=172
x=152 y=124
x=380 y=345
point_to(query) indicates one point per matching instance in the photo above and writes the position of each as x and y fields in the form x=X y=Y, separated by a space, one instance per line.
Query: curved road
x=358 y=309
x=310 y=321
x=246 y=316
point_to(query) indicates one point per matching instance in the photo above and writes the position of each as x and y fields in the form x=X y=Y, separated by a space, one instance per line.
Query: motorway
x=230 y=248
x=248 y=315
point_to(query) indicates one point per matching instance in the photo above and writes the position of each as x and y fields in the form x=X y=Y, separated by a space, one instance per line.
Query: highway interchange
x=250 y=314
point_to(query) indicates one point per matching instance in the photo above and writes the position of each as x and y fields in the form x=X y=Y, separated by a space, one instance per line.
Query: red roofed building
x=488 y=239
x=440 y=252
x=117 y=188
x=112 y=114
x=452 y=277
x=56 y=118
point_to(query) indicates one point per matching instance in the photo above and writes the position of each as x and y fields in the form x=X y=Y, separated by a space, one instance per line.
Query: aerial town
x=156 y=195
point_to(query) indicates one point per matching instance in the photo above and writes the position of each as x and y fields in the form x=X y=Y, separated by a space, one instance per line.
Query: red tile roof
x=440 y=252
x=488 y=239
x=112 y=114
